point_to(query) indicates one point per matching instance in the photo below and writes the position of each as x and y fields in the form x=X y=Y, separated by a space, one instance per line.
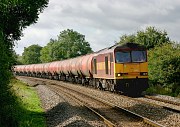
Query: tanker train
x=121 y=68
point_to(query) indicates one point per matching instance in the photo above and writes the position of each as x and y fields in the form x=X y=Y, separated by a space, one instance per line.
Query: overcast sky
x=102 y=21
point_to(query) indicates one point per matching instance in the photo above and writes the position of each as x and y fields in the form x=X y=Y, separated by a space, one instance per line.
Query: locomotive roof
x=121 y=46
x=131 y=46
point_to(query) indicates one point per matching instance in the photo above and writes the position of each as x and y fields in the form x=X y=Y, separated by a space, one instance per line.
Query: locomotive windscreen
x=130 y=56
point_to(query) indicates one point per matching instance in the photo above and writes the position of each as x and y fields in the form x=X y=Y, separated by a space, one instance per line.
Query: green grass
x=158 y=89
x=29 y=112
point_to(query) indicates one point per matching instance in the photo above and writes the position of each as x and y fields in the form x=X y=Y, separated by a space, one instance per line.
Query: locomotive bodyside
x=103 y=65
x=103 y=69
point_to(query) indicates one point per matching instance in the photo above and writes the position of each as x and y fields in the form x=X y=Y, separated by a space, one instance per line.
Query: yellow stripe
x=130 y=77
x=101 y=65
x=132 y=69
x=103 y=77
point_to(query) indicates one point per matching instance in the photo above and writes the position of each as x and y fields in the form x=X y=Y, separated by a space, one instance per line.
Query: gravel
x=165 y=97
x=160 y=103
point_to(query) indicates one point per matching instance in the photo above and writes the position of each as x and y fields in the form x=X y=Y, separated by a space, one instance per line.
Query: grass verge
x=28 y=112
x=158 y=89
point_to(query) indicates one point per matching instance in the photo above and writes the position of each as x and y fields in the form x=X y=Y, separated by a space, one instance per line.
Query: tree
x=164 y=66
x=18 y=14
x=151 y=37
x=74 y=43
x=127 y=38
x=15 y=15
x=68 y=45
x=31 y=54
x=18 y=58
x=46 y=52
x=6 y=118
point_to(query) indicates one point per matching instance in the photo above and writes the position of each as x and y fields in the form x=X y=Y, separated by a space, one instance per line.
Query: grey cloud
x=111 y=17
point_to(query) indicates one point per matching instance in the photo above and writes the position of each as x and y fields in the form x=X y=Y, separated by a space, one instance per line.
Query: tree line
x=69 y=44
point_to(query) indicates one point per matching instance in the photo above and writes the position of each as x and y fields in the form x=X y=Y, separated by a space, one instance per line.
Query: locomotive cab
x=131 y=69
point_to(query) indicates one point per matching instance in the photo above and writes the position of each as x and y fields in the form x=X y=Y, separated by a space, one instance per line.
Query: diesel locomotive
x=122 y=68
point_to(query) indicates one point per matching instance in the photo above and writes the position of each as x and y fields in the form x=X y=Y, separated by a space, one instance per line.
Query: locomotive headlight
x=143 y=73
x=118 y=75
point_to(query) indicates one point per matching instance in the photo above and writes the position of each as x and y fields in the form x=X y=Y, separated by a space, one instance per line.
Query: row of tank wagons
x=76 y=66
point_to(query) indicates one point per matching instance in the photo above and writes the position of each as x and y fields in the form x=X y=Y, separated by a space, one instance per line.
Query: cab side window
x=95 y=66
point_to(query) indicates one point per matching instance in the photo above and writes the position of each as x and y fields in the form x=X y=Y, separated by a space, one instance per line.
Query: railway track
x=169 y=108
x=162 y=100
x=165 y=102
x=116 y=109
x=107 y=121
x=142 y=102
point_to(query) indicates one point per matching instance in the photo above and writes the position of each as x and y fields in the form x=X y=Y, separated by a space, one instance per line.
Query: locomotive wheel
x=111 y=87
x=91 y=82
x=97 y=85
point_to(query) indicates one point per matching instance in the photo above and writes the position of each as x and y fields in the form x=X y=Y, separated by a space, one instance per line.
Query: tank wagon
x=121 y=68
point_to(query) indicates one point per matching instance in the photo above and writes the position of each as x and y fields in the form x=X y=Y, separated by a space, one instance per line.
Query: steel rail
x=108 y=122
x=153 y=104
x=162 y=100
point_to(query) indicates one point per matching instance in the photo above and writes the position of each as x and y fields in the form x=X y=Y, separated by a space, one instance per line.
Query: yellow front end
x=131 y=78
x=131 y=70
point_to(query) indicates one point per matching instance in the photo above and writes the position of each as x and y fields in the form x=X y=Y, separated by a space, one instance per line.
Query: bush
x=14 y=18
x=158 y=89
x=164 y=67
x=7 y=99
